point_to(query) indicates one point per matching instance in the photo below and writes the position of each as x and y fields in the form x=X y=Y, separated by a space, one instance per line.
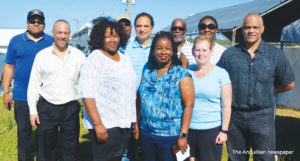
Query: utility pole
x=127 y=2
x=128 y=8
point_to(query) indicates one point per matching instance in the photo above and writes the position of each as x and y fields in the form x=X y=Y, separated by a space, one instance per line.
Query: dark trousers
x=157 y=148
x=254 y=129
x=203 y=144
x=24 y=130
x=66 y=117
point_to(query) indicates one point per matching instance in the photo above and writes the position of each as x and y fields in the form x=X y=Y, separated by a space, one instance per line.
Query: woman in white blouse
x=108 y=89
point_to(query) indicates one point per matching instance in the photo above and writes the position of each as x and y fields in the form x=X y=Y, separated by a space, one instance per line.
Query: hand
x=6 y=98
x=101 y=132
x=182 y=144
x=221 y=138
x=34 y=118
x=136 y=134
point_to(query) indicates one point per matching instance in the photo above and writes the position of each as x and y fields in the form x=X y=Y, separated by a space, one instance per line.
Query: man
x=138 y=50
x=124 y=20
x=19 y=58
x=208 y=26
x=258 y=71
x=178 y=30
x=52 y=95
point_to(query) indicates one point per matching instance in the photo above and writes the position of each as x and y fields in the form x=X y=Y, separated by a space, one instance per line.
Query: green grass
x=8 y=134
x=287 y=131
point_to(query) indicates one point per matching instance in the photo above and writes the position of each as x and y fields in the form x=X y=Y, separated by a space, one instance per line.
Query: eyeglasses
x=204 y=26
x=180 y=28
x=39 y=22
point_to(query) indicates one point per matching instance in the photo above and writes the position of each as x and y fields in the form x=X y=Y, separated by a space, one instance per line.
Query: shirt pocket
x=265 y=74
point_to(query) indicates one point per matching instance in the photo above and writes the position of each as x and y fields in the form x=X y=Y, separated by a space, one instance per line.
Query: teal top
x=161 y=103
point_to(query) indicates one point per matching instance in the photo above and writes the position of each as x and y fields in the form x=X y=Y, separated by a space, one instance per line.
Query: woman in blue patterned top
x=166 y=100
x=211 y=114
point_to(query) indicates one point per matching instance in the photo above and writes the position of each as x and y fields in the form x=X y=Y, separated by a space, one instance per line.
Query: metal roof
x=276 y=14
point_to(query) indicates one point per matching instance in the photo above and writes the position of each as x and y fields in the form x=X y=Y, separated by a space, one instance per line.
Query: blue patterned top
x=161 y=104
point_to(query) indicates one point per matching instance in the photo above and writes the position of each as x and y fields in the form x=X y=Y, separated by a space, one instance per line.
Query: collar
x=136 y=44
x=186 y=43
x=53 y=52
x=26 y=38
x=259 y=49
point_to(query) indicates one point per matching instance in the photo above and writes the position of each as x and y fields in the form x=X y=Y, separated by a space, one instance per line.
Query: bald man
x=178 y=30
x=258 y=71
x=52 y=96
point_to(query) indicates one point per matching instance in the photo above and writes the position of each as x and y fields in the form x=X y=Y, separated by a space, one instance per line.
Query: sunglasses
x=125 y=22
x=180 y=28
x=39 y=22
x=204 y=26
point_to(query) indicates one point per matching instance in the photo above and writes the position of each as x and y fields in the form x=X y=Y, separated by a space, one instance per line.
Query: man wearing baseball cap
x=19 y=59
x=124 y=20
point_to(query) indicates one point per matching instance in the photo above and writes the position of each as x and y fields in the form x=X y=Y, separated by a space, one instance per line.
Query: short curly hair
x=96 y=40
x=152 y=64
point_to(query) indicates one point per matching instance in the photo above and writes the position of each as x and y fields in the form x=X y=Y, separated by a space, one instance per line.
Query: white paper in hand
x=185 y=155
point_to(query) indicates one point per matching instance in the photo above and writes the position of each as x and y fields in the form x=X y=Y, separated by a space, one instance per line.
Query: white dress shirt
x=113 y=86
x=54 y=79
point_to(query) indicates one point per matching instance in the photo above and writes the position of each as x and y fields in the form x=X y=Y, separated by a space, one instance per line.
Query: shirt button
x=251 y=63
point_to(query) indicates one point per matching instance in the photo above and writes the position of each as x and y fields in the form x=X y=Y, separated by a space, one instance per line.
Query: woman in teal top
x=212 y=110
x=166 y=100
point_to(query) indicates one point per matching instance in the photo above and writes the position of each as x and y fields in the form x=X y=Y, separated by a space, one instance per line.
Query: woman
x=166 y=101
x=212 y=110
x=208 y=26
x=108 y=87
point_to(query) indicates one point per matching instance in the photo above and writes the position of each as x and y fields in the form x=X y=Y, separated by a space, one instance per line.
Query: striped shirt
x=138 y=56
x=218 y=51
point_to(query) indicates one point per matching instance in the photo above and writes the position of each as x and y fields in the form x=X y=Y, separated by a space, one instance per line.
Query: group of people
x=164 y=92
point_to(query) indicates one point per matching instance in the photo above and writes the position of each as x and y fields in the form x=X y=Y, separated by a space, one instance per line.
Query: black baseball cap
x=35 y=12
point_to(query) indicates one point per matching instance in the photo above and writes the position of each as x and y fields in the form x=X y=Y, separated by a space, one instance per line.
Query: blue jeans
x=255 y=129
x=157 y=148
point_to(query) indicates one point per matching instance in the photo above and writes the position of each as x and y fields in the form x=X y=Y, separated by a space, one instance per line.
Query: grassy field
x=287 y=130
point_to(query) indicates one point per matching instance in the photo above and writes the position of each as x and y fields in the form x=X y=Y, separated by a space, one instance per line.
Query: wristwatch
x=183 y=135
x=6 y=92
x=224 y=131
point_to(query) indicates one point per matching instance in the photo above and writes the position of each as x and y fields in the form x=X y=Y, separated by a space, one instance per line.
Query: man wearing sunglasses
x=208 y=26
x=124 y=20
x=178 y=30
x=19 y=59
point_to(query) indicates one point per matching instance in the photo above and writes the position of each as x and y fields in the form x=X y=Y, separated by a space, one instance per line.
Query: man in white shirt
x=52 y=95
x=178 y=30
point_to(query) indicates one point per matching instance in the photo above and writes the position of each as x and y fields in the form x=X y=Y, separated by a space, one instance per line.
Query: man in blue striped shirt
x=139 y=48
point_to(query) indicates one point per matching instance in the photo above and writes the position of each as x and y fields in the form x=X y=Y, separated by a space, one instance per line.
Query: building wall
x=291 y=98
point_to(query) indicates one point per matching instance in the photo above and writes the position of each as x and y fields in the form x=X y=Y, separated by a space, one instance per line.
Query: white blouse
x=113 y=86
